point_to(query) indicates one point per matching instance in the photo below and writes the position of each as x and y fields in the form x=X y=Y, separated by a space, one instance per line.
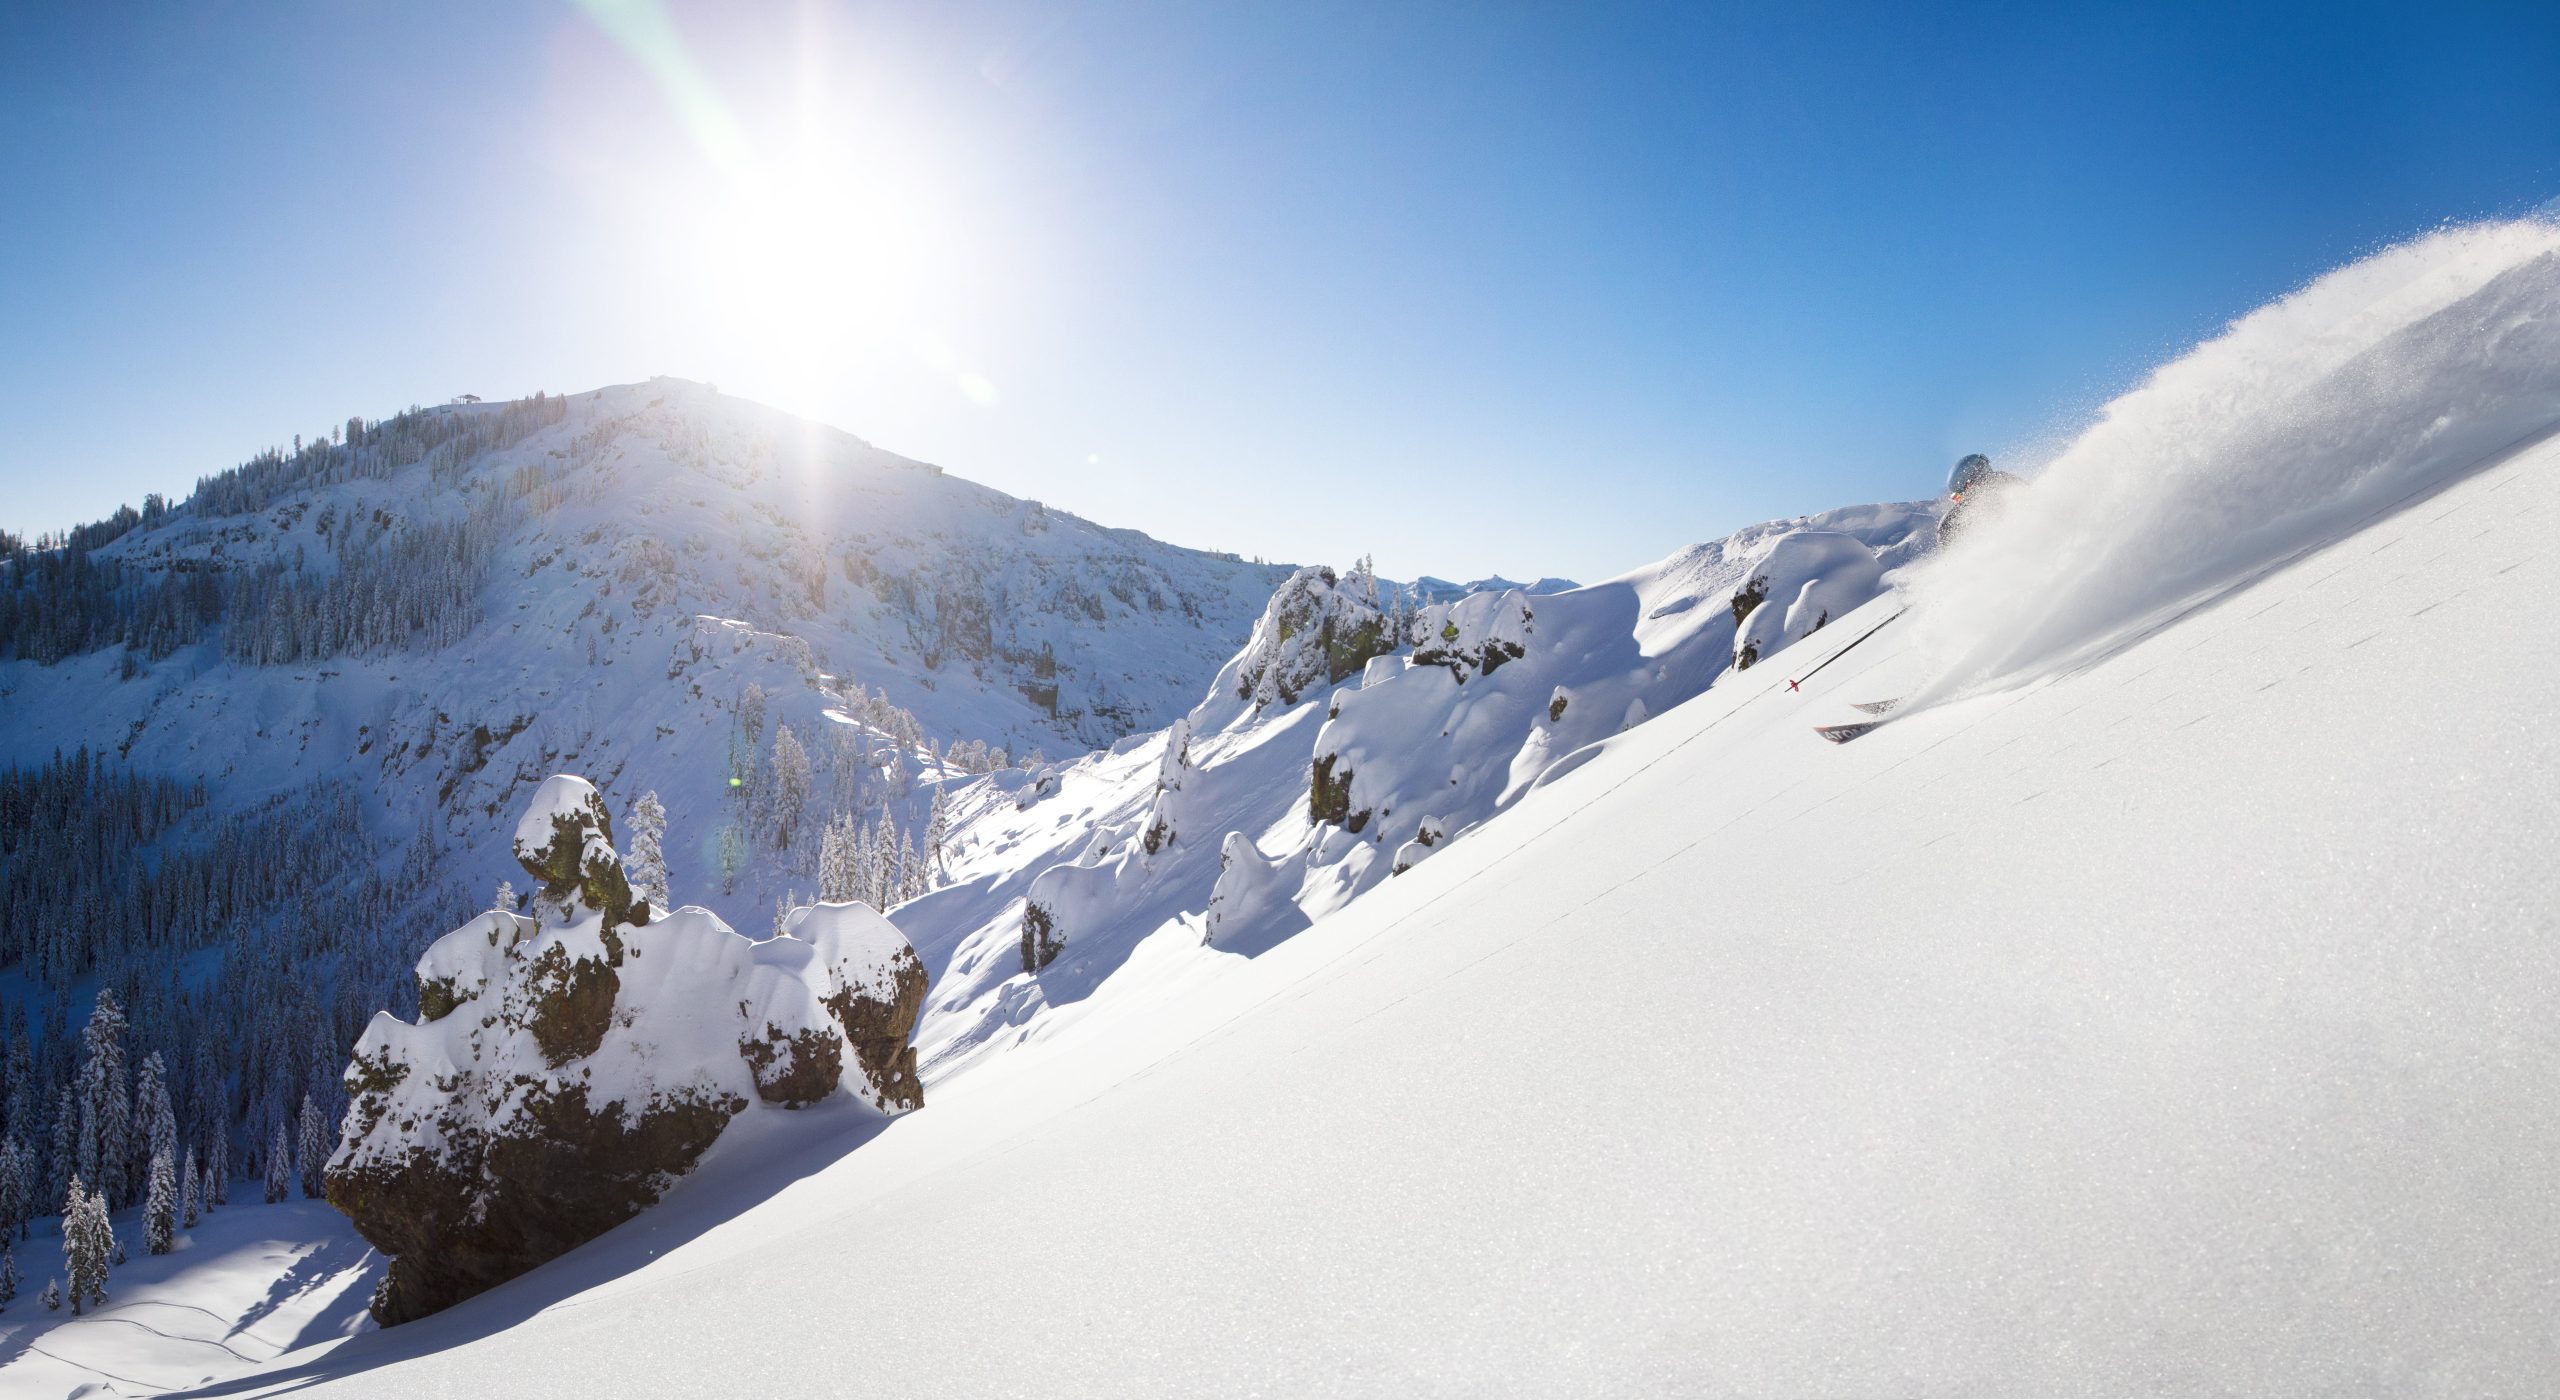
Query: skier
x=1973 y=489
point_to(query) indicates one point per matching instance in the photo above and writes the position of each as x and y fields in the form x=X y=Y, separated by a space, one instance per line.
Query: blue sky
x=1530 y=289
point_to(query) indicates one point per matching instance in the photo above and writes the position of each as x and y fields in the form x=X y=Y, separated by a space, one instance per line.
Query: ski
x=1876 y=707
x=1843 y=733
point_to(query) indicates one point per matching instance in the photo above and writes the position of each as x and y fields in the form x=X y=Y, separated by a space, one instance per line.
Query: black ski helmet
x=1968 y=473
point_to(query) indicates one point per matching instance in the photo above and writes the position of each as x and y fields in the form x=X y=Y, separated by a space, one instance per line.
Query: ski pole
x=1844 y=651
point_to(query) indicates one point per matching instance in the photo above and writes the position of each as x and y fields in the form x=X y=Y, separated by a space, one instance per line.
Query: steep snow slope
x=2180 y=1022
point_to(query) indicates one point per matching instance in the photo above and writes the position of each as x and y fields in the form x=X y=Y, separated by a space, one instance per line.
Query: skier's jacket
x=1981 y=500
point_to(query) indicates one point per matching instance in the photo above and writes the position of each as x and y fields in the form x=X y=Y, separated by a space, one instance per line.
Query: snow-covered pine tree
x=910 y=874
x=16 y=1201
x=865 y=862
x=106 y=1098
x=155 y=1122
x=8 y=1279
x=64 y=1158
x=311 y=1149
x=87 y=1242
x=190 y=1186
x=505 y=899
x=160 y=1206
x=647 y=868
x=792 y=780
x=279 y=1165
x=217 y=1170
x=937 y=835
x=884 y=862
x=751 y=713
x=53 y=1295
x=732 y=854
x=842 y=876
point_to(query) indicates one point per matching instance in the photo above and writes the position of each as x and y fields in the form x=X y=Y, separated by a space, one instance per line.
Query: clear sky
x=1476 y=287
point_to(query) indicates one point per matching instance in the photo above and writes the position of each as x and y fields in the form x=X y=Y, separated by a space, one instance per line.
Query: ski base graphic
x=1843 y=733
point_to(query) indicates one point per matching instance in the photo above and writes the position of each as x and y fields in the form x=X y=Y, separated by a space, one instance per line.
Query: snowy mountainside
x=1330 y=753
x=594 y=587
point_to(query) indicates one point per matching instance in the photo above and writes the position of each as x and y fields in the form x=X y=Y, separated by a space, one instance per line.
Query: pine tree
x=791 y=783
x=311 y=1150
x=16 y=1201
x=837 y=873
x=505 y=899
x=865 y=862
x=8 y=1279
x=105 y=1098
x=217 y=1170
x=279 y=1165
x=647 y=868
x=160 y=1206
x=189 y=1190
x=884 y=863
x=155 y=1122
x=87 y=1241
x=937 y=835
x=66 y=1142
x=53 y=1294
x=733 y=856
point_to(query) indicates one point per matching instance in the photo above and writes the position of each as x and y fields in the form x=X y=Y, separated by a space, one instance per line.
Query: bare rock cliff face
x=567 y=1066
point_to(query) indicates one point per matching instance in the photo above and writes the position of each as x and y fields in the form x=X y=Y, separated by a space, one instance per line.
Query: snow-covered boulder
x=1064 y=897
x=1253 y=893
x=1807 y=579
x=565 y=841
x=1319 y=628
x=1165 y=821
x=1474 y=635
x=560 y=1075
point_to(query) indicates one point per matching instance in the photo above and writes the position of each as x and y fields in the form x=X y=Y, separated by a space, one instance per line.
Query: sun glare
x=808 y=220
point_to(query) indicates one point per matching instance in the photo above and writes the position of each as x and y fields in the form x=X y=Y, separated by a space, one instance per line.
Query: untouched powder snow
x=2185 y=1023
x=246 y=1283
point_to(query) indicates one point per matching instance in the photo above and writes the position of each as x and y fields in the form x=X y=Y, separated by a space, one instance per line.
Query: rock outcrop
x=566 y=1067
x=1318 y=628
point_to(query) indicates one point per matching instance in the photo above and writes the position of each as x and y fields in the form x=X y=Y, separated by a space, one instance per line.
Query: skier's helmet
x=1968 y=473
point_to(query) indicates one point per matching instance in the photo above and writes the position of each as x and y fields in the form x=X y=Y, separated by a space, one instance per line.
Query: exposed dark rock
x=877 y=1027
x=1040 y=942
x=795 y=1070
x=490 y=1207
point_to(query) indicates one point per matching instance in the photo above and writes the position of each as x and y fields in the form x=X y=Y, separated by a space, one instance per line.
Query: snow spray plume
x=2380 y=381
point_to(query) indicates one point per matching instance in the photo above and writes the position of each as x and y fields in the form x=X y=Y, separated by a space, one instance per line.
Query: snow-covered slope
x=2171 y=1014
x=2179 y=1024
x=246 y=1284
